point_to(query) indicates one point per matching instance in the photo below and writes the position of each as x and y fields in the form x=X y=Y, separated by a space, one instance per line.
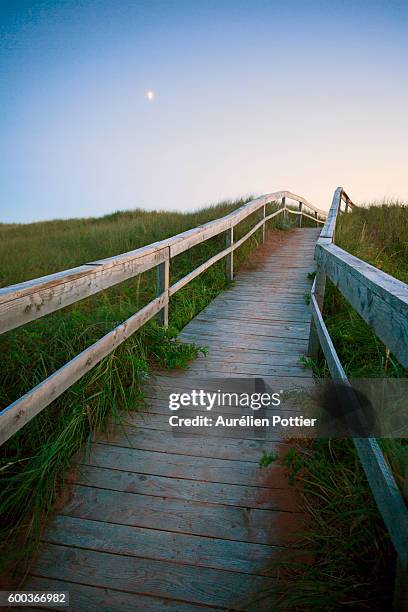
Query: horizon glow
x=254 y=97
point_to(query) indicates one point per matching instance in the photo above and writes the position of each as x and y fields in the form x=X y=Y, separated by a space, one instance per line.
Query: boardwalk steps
x=136 y=531
x=166 y=522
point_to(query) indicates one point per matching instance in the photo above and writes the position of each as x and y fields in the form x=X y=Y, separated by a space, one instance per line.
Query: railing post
x=301 y=214
x=285 y=214
x=162 y=286
x=317 y=225
x=262 y=215
x=229 y=259
x=319 y=289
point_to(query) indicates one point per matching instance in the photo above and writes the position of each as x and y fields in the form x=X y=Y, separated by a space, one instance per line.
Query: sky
x=250 y=97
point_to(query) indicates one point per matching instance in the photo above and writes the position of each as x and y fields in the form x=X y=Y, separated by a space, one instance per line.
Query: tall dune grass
x=354 y=560
x=35 y=460
x=378 y=234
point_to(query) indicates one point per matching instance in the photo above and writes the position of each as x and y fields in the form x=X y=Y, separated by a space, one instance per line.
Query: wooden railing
x=20 y=304
x=382 y=301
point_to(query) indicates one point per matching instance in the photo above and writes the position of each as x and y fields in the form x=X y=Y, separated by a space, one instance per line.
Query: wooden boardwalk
x=158 y=521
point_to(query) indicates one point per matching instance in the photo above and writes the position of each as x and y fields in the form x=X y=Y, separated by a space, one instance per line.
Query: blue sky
x=250 y=97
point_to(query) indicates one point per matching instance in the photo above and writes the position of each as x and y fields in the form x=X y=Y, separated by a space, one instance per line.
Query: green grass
x=377 y=234
x=354 y=560
x=35 y=460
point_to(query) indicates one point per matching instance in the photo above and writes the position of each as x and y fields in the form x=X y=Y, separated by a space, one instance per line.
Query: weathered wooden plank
x=192 y=444
x=275 y=273
x=297 y=314
x=277 y=295
x=162 y=286
x=258 y=329
x=251 y=356
x=274 y=298
x=252 y=231
x=260 y=326
x=189 y=277
x=290 y=263
x=329 y=226
x=263 y=343
x=333 y=362
x=257 y=310
x=288 y=281
x=215 y=553
x=380 y=299
x=285 y=330
x=247 y=369
x=216 y=494
x=95 y=599
x=273 y=284
x=229 y=522
x=296 y=198
x=252 y=289
x=317 y=294
x=20 y=412
x=262 y=215
x=379 y=475
x=275 y=278
x=260 y=312
x=208 y=469
x=152 y=420
x=304 y=214
x=180 y=380
x=185 y=582
x=263 y=301
x=229 y=260
x=20 y=304
x=290 y=277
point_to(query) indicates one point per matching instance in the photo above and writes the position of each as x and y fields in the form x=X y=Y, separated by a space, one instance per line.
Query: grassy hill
x=354 y=559
x=34 y=461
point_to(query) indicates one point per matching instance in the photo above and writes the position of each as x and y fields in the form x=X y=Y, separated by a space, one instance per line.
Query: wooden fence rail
x=25 y=302
x=382 y=301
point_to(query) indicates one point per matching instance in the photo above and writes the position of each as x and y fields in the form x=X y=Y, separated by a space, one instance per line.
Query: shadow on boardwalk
x=162 y=522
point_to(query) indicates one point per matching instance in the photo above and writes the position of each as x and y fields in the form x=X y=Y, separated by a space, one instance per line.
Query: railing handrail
x=382 y=301
x=30 y=300
x=177 y=242
x=379 y=298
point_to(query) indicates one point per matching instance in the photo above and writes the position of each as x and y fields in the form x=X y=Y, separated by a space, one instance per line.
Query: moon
x=150 y=95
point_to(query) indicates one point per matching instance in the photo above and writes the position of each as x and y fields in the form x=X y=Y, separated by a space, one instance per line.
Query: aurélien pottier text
x=209 y=400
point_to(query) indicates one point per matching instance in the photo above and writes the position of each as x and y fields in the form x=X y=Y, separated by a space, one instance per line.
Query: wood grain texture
x=161 y=520
x=20 y=304
x=380 y=299
x=20 y=412
x=240 y=496
x=150 y=577
x=94 y=599
x=162 y=545
x=240 y=449
x=186 y=466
